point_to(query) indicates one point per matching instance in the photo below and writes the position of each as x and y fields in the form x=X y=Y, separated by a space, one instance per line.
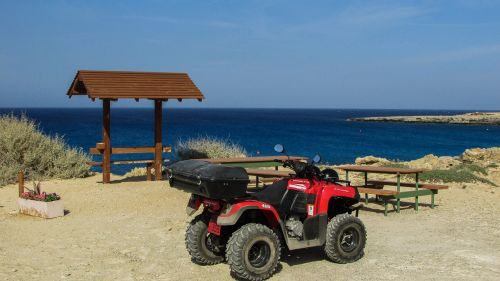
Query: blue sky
x=318 y=54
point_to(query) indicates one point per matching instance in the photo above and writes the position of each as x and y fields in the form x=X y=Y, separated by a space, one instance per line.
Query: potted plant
x=40 y=204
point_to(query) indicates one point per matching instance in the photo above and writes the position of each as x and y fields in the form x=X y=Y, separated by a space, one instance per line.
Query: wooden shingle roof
x=134 y=85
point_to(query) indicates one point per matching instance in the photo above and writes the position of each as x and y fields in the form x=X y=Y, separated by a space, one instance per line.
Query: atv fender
x=233 y=213
x=339 y=192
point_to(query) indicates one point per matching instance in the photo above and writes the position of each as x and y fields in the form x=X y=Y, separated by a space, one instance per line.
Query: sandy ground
x=135 y=231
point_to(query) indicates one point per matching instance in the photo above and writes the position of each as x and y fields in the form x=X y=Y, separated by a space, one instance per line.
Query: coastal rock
x=138 y=172
x=371 y=160
x=433 y=162
x=481 y=156
x=487 y=118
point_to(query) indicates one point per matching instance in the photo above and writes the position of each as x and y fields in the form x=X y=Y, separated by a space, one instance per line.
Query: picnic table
x=267 y=174
x=375 y=187
x=254 y=162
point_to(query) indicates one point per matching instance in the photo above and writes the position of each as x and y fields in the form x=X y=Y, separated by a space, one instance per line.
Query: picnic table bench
x=375 y=187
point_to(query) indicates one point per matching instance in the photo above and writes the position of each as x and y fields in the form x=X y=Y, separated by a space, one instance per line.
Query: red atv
x=249 y=228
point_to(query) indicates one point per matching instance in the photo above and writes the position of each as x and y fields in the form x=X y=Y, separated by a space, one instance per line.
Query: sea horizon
x=304 y=132
x=256 y=108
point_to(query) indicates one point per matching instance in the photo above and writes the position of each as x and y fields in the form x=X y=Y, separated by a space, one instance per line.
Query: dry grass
x=24 y=147
x=464 y=173
x=208 y=147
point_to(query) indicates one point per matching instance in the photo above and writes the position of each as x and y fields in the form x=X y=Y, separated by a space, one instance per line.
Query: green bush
x=460 y=173
x=472 y=168
x=24 y=147
x=208 y=147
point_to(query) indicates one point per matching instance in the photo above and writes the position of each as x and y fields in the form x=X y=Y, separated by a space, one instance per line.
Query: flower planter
x=42 y=209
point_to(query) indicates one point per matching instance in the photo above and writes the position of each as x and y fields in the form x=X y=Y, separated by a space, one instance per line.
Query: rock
x=433 y=162
x=481 y=156
x=136 y=172
x=371 y=160
x=490 y=118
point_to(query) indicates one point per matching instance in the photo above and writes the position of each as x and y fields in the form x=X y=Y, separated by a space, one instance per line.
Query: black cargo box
x=208 y=180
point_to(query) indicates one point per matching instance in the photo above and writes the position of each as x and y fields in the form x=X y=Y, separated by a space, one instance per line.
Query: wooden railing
x=99 y=149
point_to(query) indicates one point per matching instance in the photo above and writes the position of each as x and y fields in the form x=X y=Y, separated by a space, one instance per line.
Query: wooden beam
x=158 y=139
x=20 y=178
x=106 y=139
x=148 y=172
x=128 y=150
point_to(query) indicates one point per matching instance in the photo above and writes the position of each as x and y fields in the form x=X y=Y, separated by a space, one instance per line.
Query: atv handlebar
x=301 y=169
x=308 y=170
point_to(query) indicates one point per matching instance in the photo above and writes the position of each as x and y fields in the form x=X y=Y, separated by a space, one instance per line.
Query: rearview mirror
x=279 y=148
x=316 y=158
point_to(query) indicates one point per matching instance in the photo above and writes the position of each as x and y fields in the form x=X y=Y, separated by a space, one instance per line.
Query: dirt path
x=135 y=231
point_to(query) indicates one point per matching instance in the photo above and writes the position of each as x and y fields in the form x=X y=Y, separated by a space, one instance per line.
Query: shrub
x=24 y=147
x=473 y=168
x=460 y=173
x=208 y=147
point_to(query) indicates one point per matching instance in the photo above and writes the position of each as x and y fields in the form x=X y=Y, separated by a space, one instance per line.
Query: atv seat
x=285 y=201
x=272 y=194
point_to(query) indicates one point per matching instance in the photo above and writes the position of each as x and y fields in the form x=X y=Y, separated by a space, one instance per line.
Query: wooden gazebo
x=113 y=85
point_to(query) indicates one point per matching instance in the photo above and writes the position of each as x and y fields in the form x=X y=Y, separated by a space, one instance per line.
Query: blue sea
x=304 y=132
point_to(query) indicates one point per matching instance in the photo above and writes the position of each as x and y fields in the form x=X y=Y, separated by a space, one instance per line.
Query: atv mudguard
x=233 y=213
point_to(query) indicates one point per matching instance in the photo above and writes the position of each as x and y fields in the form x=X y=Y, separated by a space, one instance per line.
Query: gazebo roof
x=134 y=85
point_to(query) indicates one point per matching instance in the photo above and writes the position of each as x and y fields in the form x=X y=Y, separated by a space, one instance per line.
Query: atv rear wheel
x=253 y=252
x=202 y=245
x=345 y=239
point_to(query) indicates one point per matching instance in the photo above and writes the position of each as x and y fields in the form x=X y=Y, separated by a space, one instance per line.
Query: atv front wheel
x=345 y=239
x=253 y=252
x=202 y=245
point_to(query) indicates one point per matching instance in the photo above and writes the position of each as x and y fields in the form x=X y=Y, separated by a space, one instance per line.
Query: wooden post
x=158 y=139
x=416 y=191
x=398 y=200
x=106 y=139
x=20 y=178
x=148 y=171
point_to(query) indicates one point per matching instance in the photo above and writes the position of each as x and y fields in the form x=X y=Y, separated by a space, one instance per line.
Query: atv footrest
x=356 y=207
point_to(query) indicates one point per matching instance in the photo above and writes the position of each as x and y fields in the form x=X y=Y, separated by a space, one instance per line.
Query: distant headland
x=482 y=118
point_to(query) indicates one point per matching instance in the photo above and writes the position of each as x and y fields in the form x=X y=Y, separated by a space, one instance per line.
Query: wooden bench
x=377 y=190
x=375 y=187
x=99 y=150
x=149 y=164
x=406 y=184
